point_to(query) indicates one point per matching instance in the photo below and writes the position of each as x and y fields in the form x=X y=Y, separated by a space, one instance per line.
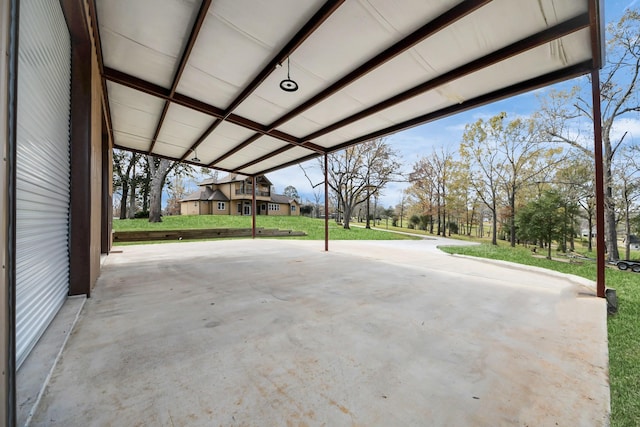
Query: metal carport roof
x=201 y=81
x=190 y=79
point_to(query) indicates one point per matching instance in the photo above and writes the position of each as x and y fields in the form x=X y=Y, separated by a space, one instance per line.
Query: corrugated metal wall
x=42 y=225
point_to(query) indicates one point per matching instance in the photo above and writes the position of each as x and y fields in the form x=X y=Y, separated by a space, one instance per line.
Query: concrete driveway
x=280 y=333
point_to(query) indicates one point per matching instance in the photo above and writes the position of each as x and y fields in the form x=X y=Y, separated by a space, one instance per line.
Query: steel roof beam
x=193 y=36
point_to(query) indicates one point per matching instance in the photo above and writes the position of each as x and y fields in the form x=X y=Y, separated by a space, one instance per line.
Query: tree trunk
x=494 y=226
x=590 y=222
x=572 y=241
x=158 y=175
x=347 y=216
x=132 y=203
x=368 y=214
x=145 y=193
x=611 y=236
x=123 y=200
x=512 y=218
x=627 y=225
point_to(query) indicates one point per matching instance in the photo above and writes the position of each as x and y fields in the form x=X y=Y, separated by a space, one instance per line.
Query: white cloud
x=629 y=125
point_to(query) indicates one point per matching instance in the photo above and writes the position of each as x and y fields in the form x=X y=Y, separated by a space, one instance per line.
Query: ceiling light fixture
x=195 y=157
x=287 y=84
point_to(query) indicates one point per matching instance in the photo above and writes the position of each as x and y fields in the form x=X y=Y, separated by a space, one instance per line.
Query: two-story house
x=232 y=195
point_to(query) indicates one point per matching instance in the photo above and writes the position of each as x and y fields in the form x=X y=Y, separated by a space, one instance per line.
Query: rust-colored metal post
x=600 y=201
x=9 y=16
x=253 y=208
x=326 y=206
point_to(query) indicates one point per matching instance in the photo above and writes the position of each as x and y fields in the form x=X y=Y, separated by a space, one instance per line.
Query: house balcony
x=248 y=192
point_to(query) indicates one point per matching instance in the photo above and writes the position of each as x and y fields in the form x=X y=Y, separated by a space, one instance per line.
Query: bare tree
x=357 y=172
x=627 y=170
x=482 y=163
x=125 y=178
x=317 y=194
x=429 y=179
x=291 y=192
x=562 y=110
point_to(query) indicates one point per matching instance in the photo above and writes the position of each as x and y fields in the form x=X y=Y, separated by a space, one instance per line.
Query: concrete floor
x=280 y=333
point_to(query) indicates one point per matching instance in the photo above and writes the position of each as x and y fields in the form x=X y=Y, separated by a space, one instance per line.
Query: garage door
x=42 y=187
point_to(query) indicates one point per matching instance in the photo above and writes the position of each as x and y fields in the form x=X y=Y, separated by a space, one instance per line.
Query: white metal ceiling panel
x=468 y=39
x=133 y=112
x=561 y=53
x=235 y=42
x=169 y=150
x=292 y=155
x=353 y=35
x=486 y=31
x=314 y=68
x=398 y=75
x=269 y=102
x=223 y=139
x=538 y=61
x=264 y=145
x=181 y=128
x=346 y=133
x=127 y=140
x=149 y=52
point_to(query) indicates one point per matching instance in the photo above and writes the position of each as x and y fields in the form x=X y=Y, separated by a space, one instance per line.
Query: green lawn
x=623 y=328
x=313 y=227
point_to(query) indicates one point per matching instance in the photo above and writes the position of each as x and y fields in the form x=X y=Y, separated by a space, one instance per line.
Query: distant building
x=232 y=195
x=634 y=241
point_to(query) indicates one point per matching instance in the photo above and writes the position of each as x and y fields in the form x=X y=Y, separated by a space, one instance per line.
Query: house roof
x=203 y=193
x=233 y=177
x=281 y=198
x=633 y=238
x=218 y=196
x=201 y=81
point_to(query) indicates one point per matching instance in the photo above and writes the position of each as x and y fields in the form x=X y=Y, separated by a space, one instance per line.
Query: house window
x=274 y=207
x=293 y=208
x=221 y=206
x=239 y=207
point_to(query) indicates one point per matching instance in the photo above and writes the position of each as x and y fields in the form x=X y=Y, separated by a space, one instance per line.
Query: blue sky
x=414 y=143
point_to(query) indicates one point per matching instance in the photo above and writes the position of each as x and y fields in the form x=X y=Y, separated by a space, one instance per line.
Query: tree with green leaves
x=503 y=157
x=542 y=220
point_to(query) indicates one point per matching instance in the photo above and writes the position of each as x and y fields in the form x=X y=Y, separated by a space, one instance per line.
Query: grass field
x=623 y=328
x=313 y=227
